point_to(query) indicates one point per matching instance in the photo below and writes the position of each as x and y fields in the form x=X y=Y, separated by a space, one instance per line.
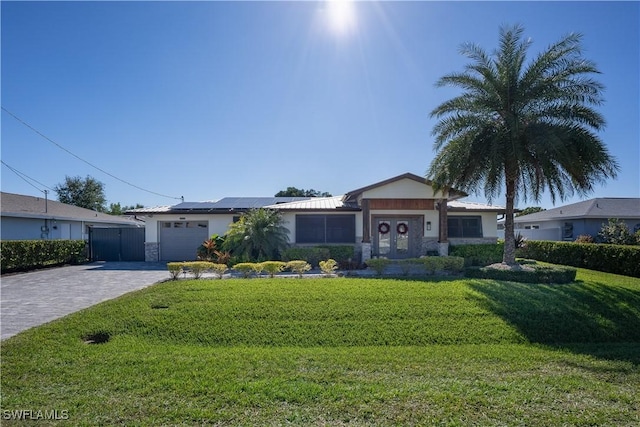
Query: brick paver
x=34 y=298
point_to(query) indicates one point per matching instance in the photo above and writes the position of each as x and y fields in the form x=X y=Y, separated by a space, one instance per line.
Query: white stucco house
x=400 y=217
x=34 y=218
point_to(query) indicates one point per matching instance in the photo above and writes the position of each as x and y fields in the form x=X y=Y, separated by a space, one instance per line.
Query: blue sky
x=212 y=99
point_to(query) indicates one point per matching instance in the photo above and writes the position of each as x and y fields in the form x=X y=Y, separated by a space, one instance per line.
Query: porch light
x=429 y=225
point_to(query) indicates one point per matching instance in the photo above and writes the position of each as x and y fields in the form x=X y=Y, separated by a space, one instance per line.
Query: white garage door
x=179 y=240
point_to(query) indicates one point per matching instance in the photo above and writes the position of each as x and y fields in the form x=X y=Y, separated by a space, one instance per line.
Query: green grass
x=340 y=352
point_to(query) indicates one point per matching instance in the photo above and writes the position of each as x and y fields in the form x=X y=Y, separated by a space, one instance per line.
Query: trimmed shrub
x=378 y=265
x=273 y=267
x=479 y=255
x=328 y=267
x=219 y=269
x=585 y=238
x=406 y=265
x=617 y=259
x=197 y=268
x=257 y=268
x=433 y=264
x=175 y=268
x=426 y=265
x=245 y=268
x=298 y=266
x=24 y=255
x=539 y=274
x=312 y=255
x=454 y=264
x=344 y=256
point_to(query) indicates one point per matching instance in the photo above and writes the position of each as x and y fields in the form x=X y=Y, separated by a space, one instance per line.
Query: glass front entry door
x=395 y=238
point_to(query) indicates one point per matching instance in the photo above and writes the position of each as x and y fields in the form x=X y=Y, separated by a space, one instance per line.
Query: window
x=532 y=227
x=197 y=225
x=567 y=231
x=464 y=226
x=325 y=228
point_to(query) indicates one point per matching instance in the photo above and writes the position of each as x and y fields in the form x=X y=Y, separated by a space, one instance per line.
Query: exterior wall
x=14 y=228
x=21 y=228
x=403 y=189
x=554 y=234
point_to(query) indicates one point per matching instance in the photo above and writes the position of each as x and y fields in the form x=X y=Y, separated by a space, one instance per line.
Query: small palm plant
x=259 y=235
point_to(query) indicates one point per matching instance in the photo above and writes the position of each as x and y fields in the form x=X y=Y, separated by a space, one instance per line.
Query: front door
x=396 y=238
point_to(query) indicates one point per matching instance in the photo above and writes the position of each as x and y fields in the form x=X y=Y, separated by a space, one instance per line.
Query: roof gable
x=395 y=183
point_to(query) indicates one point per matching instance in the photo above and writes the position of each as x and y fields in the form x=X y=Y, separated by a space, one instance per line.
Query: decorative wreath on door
x=383 y=228
x=402 y=228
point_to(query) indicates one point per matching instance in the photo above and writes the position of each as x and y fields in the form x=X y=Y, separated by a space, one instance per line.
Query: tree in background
x=297 y=192
x=616 y=232
x=117 y=209
x=530 y=210
x=259 y=235
x=521 y=127
x=86 y=193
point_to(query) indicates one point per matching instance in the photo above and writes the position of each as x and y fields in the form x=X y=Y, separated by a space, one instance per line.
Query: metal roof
x=457 y=206
x=317 y=204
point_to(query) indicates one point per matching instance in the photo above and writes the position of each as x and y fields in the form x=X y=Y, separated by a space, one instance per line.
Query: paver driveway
x=35 y=298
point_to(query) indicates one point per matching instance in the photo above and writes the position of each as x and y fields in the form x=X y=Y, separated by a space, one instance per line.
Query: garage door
x=179 y=240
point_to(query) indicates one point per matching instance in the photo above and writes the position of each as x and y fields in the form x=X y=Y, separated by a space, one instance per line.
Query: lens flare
x=341 y=16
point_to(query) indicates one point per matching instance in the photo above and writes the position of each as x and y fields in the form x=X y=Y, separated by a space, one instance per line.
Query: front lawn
x=339 y=352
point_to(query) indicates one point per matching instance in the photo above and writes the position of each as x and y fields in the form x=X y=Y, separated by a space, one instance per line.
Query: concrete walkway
x=35 y=298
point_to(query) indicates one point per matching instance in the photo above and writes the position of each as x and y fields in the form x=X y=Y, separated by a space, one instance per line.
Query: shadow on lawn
x=580 y=317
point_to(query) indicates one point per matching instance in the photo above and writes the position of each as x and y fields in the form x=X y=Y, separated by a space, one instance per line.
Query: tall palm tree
x=259 y=235
x=521 y=128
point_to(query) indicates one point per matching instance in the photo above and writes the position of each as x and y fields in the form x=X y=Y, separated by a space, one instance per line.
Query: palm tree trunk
x=509 y=255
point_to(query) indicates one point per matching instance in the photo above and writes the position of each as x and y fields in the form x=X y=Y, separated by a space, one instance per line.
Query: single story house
x=400 y=217
x=35 y=218
x=582 y=218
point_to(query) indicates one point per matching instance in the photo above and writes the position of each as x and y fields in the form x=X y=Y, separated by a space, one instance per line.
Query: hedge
x=421 y=266
x=312 y=255
x=24 y=255
x=478 y=255
x=617 y=259
x=540 y=274
x=343 y=254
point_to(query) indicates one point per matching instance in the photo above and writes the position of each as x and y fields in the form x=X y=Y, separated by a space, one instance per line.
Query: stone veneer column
x=366 y=251
x=151 y=251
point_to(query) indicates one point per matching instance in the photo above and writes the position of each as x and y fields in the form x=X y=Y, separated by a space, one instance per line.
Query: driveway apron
x=34 y=298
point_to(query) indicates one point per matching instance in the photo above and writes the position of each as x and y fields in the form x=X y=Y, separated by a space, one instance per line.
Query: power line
x=81 y=159
x=24 y=177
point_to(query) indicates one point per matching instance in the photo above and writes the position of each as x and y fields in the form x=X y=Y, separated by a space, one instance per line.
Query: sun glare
x=341 y=16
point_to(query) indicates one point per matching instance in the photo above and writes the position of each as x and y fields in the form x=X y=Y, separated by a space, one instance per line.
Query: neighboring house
x=35 y=218
x=582 y=218
x=400 y=217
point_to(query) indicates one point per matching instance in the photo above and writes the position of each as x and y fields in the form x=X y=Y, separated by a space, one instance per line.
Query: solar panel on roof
x=237 y=203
